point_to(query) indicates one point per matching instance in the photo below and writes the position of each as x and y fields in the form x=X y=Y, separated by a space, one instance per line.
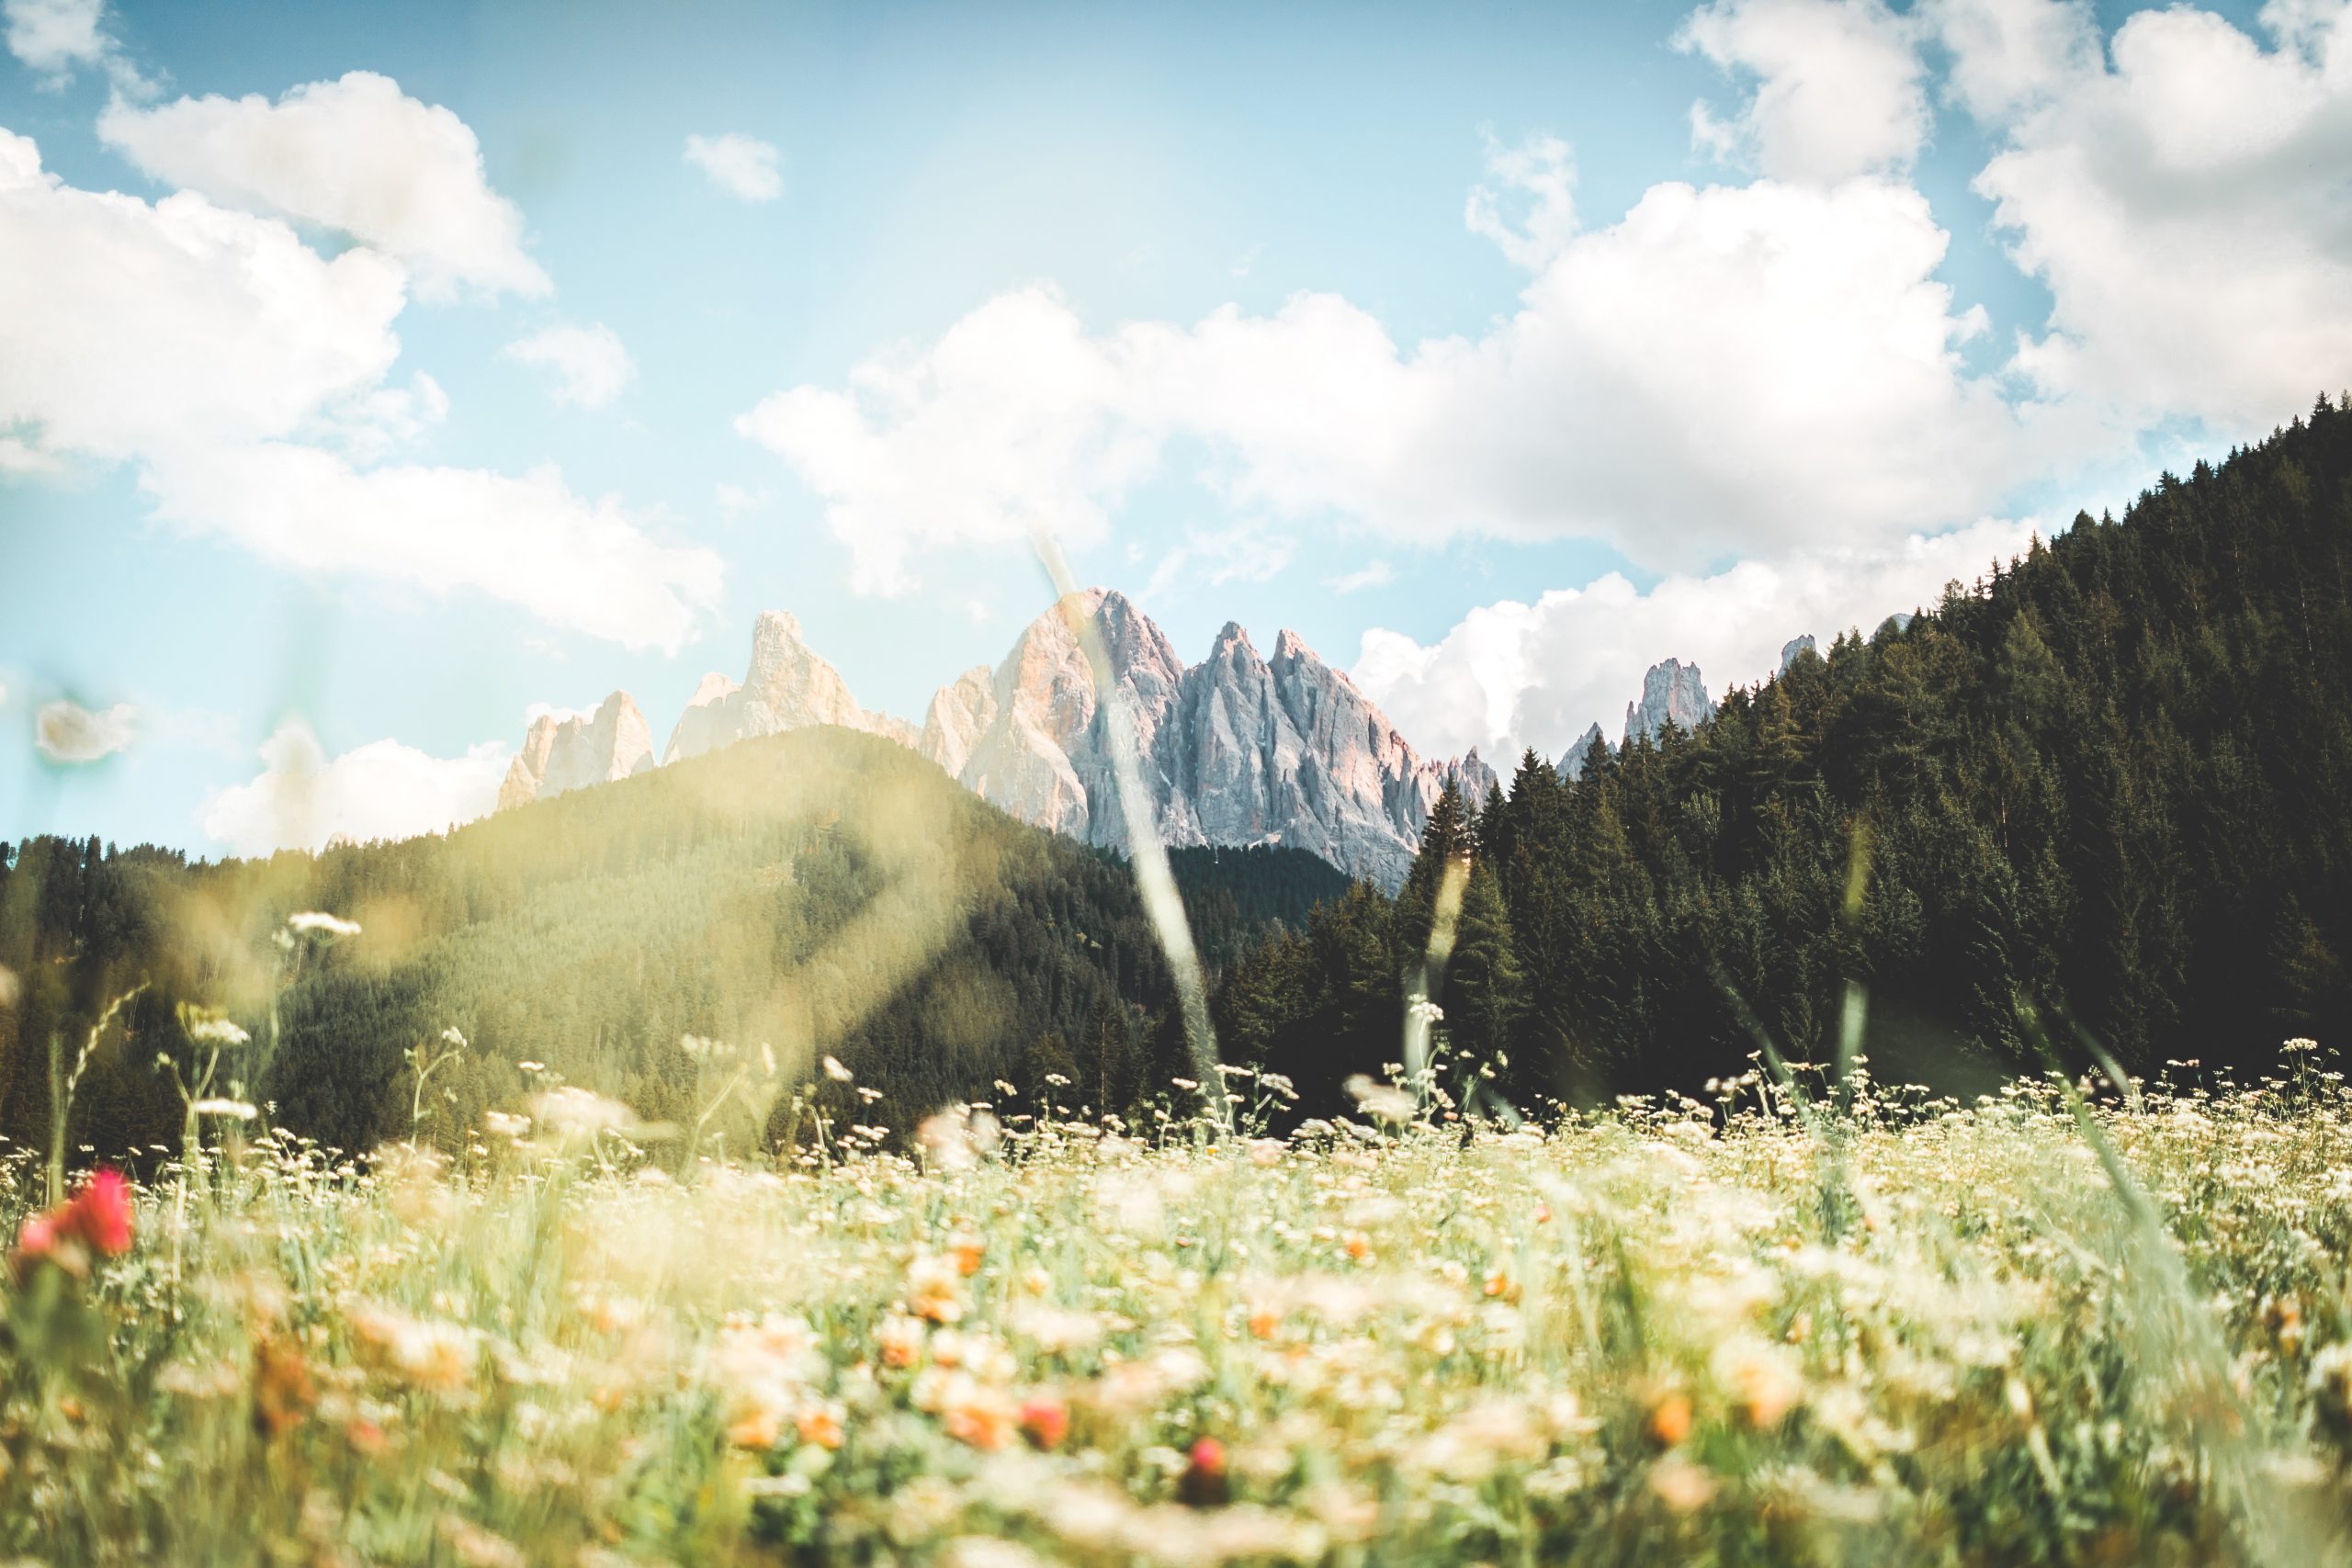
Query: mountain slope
x=821 y=892
x=2113 y=780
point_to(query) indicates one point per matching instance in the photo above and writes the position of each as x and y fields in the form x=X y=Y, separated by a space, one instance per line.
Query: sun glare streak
x=1154 y=879
x=1420 y=1009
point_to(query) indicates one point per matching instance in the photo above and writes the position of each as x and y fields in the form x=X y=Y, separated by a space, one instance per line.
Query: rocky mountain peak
x=573 y=750
x=1234 y=751
x=1572 y=761
x=1672 y=690
x=1796 y=646
x=787 y=686
x=957 y=715
x=709 y=689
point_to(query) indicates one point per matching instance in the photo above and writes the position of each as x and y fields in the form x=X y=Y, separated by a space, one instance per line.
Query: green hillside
x=820 y=892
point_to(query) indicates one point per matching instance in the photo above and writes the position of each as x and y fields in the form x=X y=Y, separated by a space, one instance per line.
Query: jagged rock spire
x=572 y=753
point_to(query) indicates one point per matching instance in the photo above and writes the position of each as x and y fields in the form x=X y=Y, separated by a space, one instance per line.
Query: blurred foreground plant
x=1403 y=1338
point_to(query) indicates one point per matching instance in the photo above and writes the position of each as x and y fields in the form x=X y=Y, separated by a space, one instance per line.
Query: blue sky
x=1083 y=190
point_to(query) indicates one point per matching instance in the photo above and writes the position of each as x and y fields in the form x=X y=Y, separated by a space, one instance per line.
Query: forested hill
x=820 y=892
x=2112 y=778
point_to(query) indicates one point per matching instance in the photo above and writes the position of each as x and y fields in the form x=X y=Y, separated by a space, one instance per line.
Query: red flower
x=37 y=1239
x=96 y=1220
x=1045 y=1421
x=100 y=1213
x=1204 y=1483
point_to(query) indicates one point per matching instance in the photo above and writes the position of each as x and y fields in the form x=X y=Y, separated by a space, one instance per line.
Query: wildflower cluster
x=2033 y=1328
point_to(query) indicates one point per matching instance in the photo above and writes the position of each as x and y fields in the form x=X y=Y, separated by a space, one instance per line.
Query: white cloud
x=1511 y=675
x=1372 y=574
x=590 y=366
x=382 y=790
x=1723 y=370
x=1219 y=556
x=68 y=732
x=526 y=539
x=2009 y=55
x=51 y=38
x=1008 y=424
x=224 y=358
x=355 y=155
x=1840 y=89
x=176 y=323
x=2188 y=211
x=1539 y=176
x=744 y=166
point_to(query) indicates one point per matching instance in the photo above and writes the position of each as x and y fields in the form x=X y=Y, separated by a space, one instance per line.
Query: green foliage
x=2112 y=779
x=821 y=893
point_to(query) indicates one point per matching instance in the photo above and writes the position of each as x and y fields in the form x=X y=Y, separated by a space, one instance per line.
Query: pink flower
x=100 y=1213
x=37 y=1239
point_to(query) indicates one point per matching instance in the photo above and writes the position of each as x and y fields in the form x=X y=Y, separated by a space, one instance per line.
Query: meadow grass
x=1726 y=1331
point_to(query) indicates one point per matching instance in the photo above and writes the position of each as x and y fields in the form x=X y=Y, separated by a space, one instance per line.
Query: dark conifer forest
x=2102 y=794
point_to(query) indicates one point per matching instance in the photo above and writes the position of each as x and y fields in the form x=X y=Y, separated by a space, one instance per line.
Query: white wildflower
x=314 y=923
x=572 y=1113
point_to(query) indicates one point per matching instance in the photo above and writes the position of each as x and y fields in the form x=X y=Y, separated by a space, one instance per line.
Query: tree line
x=2101 y=796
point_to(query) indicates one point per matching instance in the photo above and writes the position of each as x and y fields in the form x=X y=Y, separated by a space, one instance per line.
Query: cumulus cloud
x=1840 y=87
x=744 y=166
x=302 y=798
x=1510 y=675
x=68 y=732
x=53 y=38
x=176 y=323
x=244 y=374
x=2186 y=205
x=2009 y=55
x=355 y=155
x=1010 y=422
x=527 y=539
x=589 y=366
x=1723 y=370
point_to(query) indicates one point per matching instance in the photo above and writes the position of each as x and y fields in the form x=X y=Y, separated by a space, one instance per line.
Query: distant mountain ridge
x=1237 y=750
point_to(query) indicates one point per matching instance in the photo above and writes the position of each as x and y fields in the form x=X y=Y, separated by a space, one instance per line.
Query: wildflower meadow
x=2068 y=1323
